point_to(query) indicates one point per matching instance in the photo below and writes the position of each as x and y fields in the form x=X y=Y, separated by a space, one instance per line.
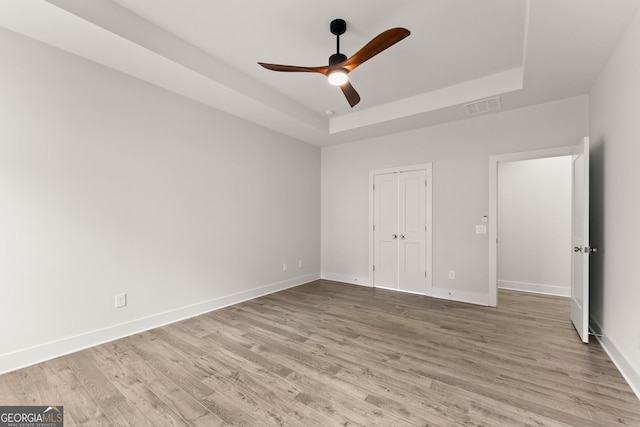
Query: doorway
x=534 y=225
x=494 y=162
x=580 y=249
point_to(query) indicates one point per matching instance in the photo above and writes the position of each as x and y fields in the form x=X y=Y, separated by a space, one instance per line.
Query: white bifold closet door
x=400 y=231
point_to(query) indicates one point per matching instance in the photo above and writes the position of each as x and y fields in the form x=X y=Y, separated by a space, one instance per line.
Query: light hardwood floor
x=334 y=354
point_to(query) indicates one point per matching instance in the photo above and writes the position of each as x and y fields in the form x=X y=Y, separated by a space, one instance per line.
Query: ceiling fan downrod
x=337 y=27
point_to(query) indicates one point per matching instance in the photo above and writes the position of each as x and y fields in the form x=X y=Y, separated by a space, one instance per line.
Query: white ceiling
x=459 y=51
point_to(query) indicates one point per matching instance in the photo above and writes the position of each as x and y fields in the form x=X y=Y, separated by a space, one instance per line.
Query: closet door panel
x=386 y=230
x=412 y=231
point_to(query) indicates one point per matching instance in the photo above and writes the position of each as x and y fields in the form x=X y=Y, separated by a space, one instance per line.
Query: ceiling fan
x=340 y=66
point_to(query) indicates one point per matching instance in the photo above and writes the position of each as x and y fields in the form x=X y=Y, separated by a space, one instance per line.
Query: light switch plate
x=481 y=229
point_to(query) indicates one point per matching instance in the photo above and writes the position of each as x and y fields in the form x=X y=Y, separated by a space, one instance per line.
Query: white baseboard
x=43 y=352
x=354 y=279
x=631 y=375
x=535 y=287
x=443 y=293
x=461 y=296
x=401 y=290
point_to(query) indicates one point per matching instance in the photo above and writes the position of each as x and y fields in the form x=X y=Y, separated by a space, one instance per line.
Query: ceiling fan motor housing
x=337 y=58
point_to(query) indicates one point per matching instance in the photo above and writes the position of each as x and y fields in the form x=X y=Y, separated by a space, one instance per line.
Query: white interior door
x=412 y=231
x=385 y=236
x=580 y=241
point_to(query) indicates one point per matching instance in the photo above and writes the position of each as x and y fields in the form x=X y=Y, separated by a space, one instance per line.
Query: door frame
x=493 y=205
x=428 y=168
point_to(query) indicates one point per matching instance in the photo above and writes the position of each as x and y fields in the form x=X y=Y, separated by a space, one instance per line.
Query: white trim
x=399 y=290
x=429 y=224
x=442 y=293
x=493 y=206
x=460 y=296
x=536 y=288
x=428 y=168
x=344 y=278
x=43 y=352
x=617 y=357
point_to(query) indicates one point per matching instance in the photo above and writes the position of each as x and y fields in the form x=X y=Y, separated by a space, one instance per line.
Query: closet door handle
x=394 y=236
x=402 y=236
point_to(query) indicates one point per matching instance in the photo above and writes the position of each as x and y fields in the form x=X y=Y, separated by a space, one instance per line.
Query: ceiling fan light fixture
x=338 y=77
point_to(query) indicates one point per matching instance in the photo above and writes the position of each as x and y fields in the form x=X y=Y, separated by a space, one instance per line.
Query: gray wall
x=615 y=205
x=110 y=185
x=460 y=155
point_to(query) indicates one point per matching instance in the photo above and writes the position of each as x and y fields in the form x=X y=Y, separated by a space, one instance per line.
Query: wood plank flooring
x=327 y=354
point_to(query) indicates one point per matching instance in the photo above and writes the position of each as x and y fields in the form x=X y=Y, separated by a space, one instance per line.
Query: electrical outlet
x=300 y=263
x=452 y=274
x=121 y=300
x=284 y=267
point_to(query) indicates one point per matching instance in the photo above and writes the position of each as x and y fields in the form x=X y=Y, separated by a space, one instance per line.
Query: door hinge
x=374 y=227
x=425 y=274
x=374 y=268
x=374 y=187
x=425 y=182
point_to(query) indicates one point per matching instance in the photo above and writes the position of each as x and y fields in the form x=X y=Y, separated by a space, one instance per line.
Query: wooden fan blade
x=350 y=93
x=294 y=68
x=382 y=41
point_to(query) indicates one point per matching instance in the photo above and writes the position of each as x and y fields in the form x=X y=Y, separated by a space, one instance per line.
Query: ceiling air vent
x=483 y=106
